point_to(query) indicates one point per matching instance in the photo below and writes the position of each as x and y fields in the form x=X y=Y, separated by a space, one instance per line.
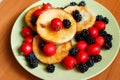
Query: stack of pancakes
x=62 y=39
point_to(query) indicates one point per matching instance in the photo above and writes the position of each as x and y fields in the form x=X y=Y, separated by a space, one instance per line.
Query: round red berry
x=26 y=31
x=49 y=49
x=99 y=40
x=37 y=12
x=81 y=57
x=100 y=25
x=93 y=49
x=69 y=62
x=29 y=39
x=46 y=6
x=93 y=31
x=81 y=45
x=26 y=48
x=56 y=24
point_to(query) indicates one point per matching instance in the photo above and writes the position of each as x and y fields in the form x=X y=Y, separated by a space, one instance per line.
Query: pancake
x=88 y=17
x=28 y=17
x=61 y=52
x=56 y=37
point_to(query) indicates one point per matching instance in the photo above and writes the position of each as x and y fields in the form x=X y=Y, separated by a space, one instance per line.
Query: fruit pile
x=28 y=33
x=89 y=41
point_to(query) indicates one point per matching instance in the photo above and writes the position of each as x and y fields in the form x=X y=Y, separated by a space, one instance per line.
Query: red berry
x=69 y=62
x=93 y=49
x=56 y=24
x=93 y=31
x=26 y=48
x=100 y=25
x=81 y=57
x=99 y=40
x=29 y=39
x=46 y=6
x=49 y=49
x=81 y=45
x=26 y=31
x=37 y=12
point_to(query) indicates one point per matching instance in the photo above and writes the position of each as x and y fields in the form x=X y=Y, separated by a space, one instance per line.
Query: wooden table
x=9 y=67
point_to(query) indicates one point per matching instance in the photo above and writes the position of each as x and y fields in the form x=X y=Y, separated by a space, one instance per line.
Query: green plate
x=60 y=73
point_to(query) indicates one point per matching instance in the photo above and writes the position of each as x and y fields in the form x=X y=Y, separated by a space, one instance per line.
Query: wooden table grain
x=9 y=67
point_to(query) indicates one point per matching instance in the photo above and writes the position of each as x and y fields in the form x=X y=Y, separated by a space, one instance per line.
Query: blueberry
x=106 y=20
x=42 y=44
x=33 y=20
x=32 y=60
x=73 y=3
x=107 y=45
x=66 y=23
x=90 y=40
x=82 y=67
x=97 y=58
x=99 y=18
x=73 y=52
x=77 y=16
x=90 y=62
x=50 y=68
x=82 y=3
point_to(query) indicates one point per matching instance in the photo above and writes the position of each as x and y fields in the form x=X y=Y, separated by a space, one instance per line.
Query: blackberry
x=85 y=32
x=90 y=40
x=99 y=18
x=79 y=37
x=73 y=3
x=42 y=44
x=73 y=52
x=50 y=68
x=77 y=16
x=33 y=20
x=75 y=12
x=66 y=23
x=108 y=37
x=106 y=20
x=90 y=62
x=82 y=67
x=97 y=58
x=32 y=60
x=82 y=3
x=102 y=33
x=107 y=45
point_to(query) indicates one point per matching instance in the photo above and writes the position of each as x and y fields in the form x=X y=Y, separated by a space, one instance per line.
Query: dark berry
x=33 y=63
x=66 y=23
x=77 y=16
x=99 y=18
x=50 y=68
x=33 y=20
x=90 y=62
x=102 y=33
x=32 y=60
x=82 y=67
x=90 y=40
x=106 y=20
x=85 y=32
x=42 y=44
x=82 y=3
x=73 y=3
x=79 y=37
x=75 y=12
x=97 y=58
x=108 y=37
x=107 y=45
x=73 y=52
